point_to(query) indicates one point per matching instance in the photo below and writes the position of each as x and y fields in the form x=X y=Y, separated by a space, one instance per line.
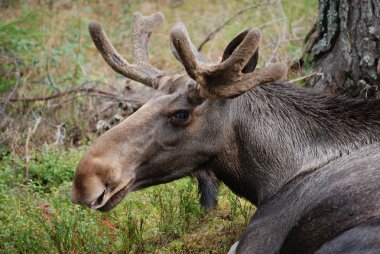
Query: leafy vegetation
x=45 y=49
x=38 y=217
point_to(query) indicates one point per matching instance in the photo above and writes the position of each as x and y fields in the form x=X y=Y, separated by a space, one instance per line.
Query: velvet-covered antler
x=225 y=79
x=140 y=70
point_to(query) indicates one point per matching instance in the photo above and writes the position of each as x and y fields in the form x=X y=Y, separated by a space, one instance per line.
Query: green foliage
x=10 y=169
x=6 y=84
x=22 y=34
x=38 y=217
x=240 y=209
x=177 y=208
x=51 y=167
x=19 y=37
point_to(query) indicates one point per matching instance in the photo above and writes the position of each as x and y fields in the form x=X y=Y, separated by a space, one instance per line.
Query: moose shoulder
x=310 y=162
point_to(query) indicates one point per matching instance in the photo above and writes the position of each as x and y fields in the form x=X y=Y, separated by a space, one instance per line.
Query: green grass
x=38 y=217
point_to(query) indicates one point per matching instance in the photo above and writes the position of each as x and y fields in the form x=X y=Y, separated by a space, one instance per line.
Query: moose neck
x=280 y=131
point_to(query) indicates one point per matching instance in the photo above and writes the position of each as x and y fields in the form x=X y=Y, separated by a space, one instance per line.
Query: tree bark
x=344 y=45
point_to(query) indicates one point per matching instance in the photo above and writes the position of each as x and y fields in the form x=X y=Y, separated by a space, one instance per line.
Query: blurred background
x=57 y=95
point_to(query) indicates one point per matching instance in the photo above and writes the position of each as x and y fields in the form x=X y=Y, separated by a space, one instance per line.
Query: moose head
x=182 y=128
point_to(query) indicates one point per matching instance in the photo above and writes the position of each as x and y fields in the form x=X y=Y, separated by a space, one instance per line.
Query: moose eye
x=180 y=118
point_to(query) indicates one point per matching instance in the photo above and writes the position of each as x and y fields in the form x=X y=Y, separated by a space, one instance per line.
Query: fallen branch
x=138 y=103
x=67 y=92
x=217 y=29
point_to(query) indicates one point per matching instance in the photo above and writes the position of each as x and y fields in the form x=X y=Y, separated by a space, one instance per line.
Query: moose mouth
x=114 y=200
x=134 y=185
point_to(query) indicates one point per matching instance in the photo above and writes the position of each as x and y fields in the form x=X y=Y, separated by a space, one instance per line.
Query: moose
x=310 y=162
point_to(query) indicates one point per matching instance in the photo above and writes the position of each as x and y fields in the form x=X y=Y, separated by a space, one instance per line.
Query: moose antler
x=140 y=70
x=227 y=78
x=197 y=54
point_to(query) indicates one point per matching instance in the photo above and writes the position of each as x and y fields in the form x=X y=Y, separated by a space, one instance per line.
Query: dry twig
x=306 y=77
x=89 y=90
x=50 y=77
x=31 y=131
x=211 y=35
x=274 y=52
x=265 y=25
x=15 y=87
x=60 y=134
x=281 y=38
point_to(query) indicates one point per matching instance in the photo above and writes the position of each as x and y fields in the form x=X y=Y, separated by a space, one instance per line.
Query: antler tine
x=225 y=79
x=141 y=70
x=194 y=50
x=248 y=81
x=180 y=40
x=141 y=29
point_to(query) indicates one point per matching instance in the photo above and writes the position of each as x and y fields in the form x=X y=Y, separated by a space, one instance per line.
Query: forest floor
x=45 y=51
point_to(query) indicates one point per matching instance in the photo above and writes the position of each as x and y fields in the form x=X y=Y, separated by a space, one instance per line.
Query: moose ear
x=251 y=64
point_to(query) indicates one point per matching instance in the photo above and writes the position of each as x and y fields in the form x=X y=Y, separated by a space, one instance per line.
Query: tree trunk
x=344 y=45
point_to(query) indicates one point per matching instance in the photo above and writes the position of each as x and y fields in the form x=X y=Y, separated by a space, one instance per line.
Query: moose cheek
x=172 y=140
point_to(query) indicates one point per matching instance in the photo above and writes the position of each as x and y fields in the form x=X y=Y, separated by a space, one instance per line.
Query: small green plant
x=51 y=167
x=177 y=206
x=22 y=34
x=233 y=208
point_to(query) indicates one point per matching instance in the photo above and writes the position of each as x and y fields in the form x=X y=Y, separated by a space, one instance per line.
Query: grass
x=38 y=217
x=49 y=43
